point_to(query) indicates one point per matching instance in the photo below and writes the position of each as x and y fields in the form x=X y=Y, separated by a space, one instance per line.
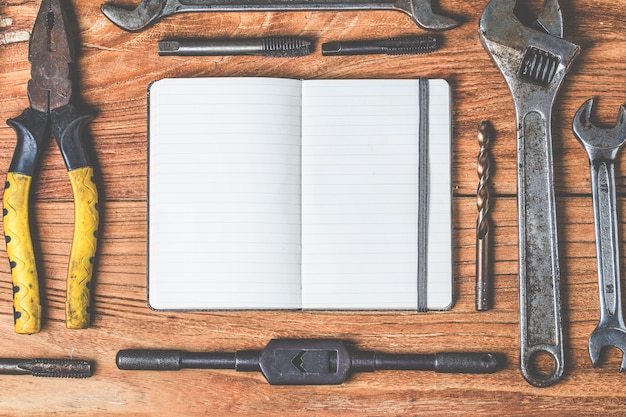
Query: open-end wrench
x=602 y=146
x=149 y=11
x=534 y=61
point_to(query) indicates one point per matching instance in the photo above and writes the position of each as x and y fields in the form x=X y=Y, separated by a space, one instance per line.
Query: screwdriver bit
x=52 y=368
x=274 y=47
x=308 y=361
x=407 y=45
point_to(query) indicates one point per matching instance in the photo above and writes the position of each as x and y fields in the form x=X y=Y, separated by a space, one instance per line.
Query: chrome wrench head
x=602 y=146
x=534 y=61
x=599 y=142
x=150 y=11
x=607 y=336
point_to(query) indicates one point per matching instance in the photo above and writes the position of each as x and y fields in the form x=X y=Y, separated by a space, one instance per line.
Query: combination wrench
x=534 y=61
x=149 y=11
x=602 y=146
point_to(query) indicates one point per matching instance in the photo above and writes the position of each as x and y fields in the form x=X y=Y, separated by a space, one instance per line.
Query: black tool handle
x=174 y=360
x=149 y=360
x=444 y=362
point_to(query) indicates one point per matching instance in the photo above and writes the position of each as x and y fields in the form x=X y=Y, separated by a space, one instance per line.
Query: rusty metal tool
x=486 y=136
x=150 y=11
x=534 y=61
x=404 y=45
x=51 y=368
x=308 y=361
x=271 y=47
x=602 y=146
x=51 y=109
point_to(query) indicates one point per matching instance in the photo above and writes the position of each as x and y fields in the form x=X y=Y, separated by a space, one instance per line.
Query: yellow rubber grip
x=83 y=252
x=26 y=300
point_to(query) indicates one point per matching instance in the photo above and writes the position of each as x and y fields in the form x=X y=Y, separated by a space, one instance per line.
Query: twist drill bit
x=51 y=368
x=483 y=224
x=274 y=47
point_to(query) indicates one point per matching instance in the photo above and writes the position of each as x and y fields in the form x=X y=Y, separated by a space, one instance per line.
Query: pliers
x=50 y=93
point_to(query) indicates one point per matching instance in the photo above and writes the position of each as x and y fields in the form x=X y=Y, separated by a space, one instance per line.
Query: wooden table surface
x=114 y=70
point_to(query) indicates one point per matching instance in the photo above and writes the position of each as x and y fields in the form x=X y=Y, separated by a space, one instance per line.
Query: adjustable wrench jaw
x=533 y=62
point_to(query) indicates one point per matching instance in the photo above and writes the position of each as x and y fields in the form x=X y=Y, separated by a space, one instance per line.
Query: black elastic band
x=422 y=210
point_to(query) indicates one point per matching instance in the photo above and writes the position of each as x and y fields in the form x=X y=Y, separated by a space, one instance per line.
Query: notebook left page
x=224 y=194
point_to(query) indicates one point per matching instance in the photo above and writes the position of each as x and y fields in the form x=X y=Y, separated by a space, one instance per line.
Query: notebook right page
x=360 y=195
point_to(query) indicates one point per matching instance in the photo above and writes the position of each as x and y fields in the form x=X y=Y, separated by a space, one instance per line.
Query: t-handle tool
x=49 y=92
x=534 y=61
x=602 y=146
x=308 y=361
x=150 y=11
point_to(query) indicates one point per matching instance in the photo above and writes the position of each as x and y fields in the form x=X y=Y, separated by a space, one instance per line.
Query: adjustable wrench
x=602 y=146
x=534 y=62
x=149 y=11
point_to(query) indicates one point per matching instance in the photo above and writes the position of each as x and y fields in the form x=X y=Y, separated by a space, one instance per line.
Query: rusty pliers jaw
x=50 y=54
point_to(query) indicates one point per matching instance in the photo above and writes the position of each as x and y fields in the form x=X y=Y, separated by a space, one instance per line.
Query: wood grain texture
x=114 y=71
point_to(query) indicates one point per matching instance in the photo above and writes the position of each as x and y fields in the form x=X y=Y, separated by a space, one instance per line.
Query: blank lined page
x=360 y=195
x=224 y=194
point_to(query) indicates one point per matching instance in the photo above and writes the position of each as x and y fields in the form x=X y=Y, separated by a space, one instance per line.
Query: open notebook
x=269 y=193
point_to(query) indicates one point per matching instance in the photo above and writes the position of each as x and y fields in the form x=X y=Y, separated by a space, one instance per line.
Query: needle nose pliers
x=50 y=92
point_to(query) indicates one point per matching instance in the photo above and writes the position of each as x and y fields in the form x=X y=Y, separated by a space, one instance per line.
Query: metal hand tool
x=272 y=47
x=483 y=222
x=534 y=61
x=602 y=146
x=308 y=361
x=405 y=45
x=50 y=92
x=150 y=11
x=51 y=368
